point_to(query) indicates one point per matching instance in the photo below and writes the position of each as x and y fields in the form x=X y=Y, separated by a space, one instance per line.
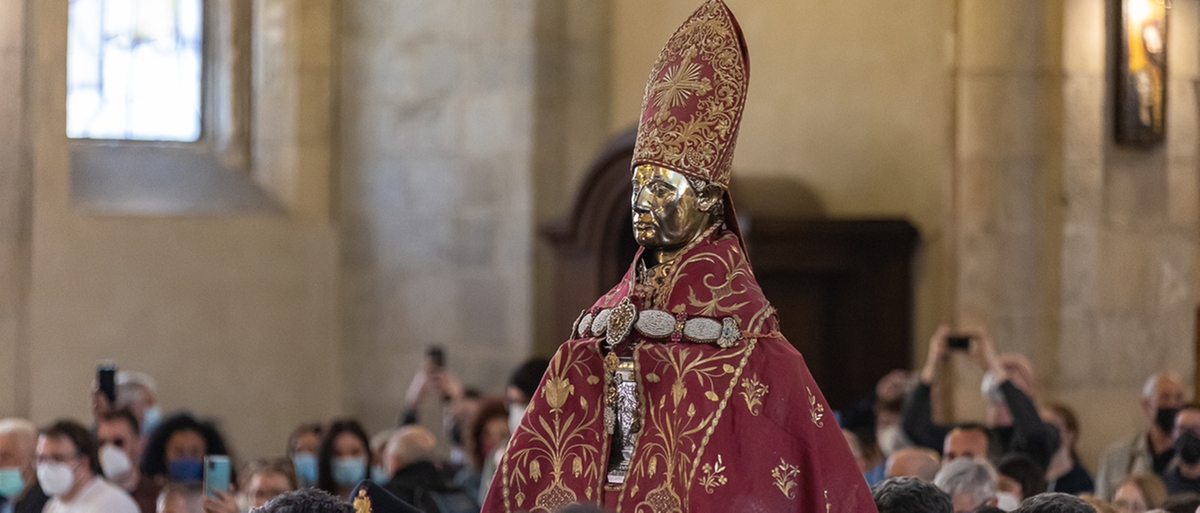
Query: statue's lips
x=643 y=226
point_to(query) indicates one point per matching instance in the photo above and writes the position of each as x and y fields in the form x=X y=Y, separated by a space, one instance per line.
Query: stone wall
x=1077 y=252
x=233 y=312
x=436 y=193
x=15 y=212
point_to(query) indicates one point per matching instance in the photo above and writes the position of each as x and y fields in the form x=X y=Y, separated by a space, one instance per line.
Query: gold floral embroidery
x=555 y=439
x=817 y=409
x=828 y=505
x=677 y=429
x=785 y=478
x=557 y=390
x=712 y=475
x=753 y=391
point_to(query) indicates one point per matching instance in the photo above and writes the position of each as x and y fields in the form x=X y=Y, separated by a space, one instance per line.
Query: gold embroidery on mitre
x=785 y=478
x=694 y=97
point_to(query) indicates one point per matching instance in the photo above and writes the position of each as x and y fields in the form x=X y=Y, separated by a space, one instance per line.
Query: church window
x=134 y=70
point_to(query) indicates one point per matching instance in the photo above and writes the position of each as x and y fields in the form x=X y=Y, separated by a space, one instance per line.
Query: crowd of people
x=132 y=459
x=1023 y=457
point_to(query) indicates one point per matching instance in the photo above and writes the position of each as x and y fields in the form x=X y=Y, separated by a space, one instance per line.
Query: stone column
x=1007 y=177
x=1130 y=232
x=15 y=214
x=1074 y=251
x=571 y=61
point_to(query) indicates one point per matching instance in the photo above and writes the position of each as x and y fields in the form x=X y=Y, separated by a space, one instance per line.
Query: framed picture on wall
x=1141 y=72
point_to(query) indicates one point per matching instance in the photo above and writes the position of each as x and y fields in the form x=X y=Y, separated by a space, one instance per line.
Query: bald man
x=410 y=458
x=19 y=489
x=919 y=462
x=1149 y=451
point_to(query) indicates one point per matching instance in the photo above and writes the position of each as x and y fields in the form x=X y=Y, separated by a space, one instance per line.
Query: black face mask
x=1188 y=448
x=1165 y=419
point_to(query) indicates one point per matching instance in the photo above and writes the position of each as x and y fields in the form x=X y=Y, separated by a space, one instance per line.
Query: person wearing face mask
x=302 y=447
x=344 y=457
x=121 y=445
x=1066 y=473
x=1009 y=388
x=68 y=470
x=175 y=451
x=1020 y=478
x=487 y=431
x=1183 y=473
x=1150 y=451
x=521 y=386
x=19 y=490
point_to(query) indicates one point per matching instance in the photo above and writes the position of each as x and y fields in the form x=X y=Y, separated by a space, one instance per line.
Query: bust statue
x=676 y=391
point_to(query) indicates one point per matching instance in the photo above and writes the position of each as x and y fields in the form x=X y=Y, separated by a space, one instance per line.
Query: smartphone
x=437 y=356
x=958 y=342
x=216 y=474
x=106 y=380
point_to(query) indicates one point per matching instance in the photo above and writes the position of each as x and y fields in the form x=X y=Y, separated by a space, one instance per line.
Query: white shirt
x=98 y=496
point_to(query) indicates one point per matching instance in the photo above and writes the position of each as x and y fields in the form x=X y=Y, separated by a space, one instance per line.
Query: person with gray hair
x=1055 y=503
x=19 y=489
x=307 y=500
x=910 y=495
x=971 y=483
x=1151 y=450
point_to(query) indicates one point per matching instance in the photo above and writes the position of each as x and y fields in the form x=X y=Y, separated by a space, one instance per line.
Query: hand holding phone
x=106 y=380
x=437 y=356
x=958 y=342
x=216 y=474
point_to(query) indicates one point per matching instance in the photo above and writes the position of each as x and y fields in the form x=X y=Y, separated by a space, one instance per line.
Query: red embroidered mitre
x=695 y=96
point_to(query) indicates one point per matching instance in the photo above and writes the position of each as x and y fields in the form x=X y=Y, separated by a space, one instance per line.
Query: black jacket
x=1027 y=435
x=422 y=485
x=34 y=500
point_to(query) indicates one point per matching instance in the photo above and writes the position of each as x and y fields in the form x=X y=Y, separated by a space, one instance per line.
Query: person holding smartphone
x=1013 y=422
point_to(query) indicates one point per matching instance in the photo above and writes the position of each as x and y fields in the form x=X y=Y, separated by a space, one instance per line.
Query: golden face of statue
x=667 y=212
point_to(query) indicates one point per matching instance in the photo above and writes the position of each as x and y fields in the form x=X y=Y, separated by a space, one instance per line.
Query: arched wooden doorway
x=843 y=288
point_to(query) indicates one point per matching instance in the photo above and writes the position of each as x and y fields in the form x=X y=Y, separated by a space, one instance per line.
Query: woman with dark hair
x=177 y=447
x=1065 y=473
x=344 y=458
x=302 y=447
x=1020 y=477
x=488 y=430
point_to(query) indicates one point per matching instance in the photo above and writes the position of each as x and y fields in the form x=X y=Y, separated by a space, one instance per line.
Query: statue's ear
x=710 y=197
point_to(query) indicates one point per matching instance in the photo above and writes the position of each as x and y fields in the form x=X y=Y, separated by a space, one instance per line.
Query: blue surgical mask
x=379 y=475
x=185 y=470
x=151 y=417
x=349 y=471
x=11 y=482
x=306 y=468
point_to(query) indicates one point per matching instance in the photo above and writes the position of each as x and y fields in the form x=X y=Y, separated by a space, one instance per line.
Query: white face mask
x=55 y=478
x=114 y=462
x=1007 y=501
x=515 y=413
x=889 y=440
